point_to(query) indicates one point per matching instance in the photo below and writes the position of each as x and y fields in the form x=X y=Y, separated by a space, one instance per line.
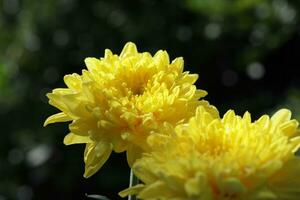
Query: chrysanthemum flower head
x=222 y=159
x=120 y=100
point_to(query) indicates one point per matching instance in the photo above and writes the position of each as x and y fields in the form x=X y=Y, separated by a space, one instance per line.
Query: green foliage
x=261 y=25
x=223 y=7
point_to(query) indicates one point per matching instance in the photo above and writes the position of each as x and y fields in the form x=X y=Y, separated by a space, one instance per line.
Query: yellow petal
x=131 y=191
x=73 y=81
x=82 y=126
x=270 y=167
x=175 y=182
x=289 y=128
x=194 y=186
x=65 y=103
x=232 y=186
x=286 y=183
x=59 y=117
x=205 y=114
x=133 y=153
x=72 y=138
x=264 y=194
x=94 y=160
x=91 y=63
x=73 y=104
x=178 y=63
x=129 y=49
x=107 y=54
x=263 y=122
x=281 y=116
x=247 y=117
x=161 y=59
x=155 y=190
x=200 y=93
x=229 y=117
x=144 y=173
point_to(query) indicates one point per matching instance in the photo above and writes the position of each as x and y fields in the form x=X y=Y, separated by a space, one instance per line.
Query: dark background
x=246 y=53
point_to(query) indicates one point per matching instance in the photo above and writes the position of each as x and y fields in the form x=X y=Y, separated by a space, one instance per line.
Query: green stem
x=133 y=181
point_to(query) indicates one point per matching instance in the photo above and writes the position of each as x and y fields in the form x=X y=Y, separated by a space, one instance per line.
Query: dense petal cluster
x=120 y=100
x=222 y=159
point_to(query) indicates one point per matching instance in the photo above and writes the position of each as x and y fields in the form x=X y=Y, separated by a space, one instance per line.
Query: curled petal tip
x=85 y=175
x=59 y=117
x=129 y=48
x=45 y=123
x=281 y=116
x=88 y=59
x=48 y=121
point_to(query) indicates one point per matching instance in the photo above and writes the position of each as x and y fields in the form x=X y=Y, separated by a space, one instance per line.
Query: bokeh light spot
x=38 y=155
x=116 y=18
x=255 y=70
x=32 y=42
x=212 y=31
x=284 y=11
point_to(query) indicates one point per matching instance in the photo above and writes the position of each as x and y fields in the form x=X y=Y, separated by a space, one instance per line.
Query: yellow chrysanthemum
x=222 y=159
x=120 y=100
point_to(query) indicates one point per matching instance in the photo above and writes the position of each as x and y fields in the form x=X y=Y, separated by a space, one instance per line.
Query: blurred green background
x=246 y=53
